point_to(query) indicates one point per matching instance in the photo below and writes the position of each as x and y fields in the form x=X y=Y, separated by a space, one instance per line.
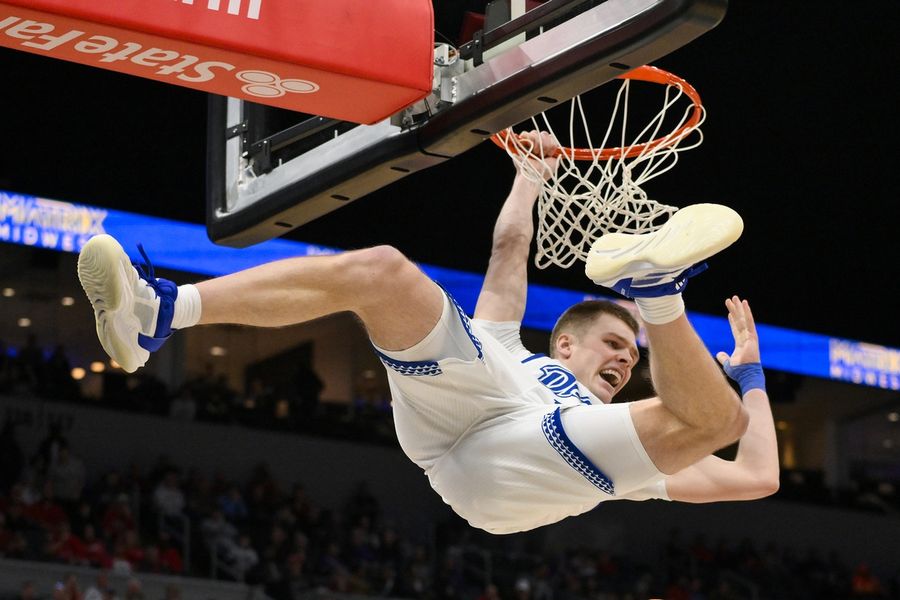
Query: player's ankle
x=187 y=307
x=661 y=310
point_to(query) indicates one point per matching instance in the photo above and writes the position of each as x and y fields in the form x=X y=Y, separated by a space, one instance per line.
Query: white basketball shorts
x=503 y=449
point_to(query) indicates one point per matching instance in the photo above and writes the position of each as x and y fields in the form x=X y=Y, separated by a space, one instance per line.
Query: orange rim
x=645 y=73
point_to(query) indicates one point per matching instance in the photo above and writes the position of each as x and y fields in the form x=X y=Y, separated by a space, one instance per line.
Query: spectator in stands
x=118 y=518
x=243 y=557
x=419 y=576
x=232 y=505
x=390 y=551
x=219 y=534
x=331 y=572
x=67 y=474
x=26 y=490
x=100 y=589
x=490 y=592
x=110 y=487
x=95 y=550
x=274 y=553
x=130 y=549
x=28 y=591
x=679 y=588
x=271 y=491
x=47 y=513
x=298 y=582
x=865 y=584
x=82 y=517
x=200 y=500
x=66 y=547
x=360 y=554
x=168 y=499
x=542 y=586
x=67 y=589
x=48 y=450
x=300 y=508
x=163 y=557
x=134 y=590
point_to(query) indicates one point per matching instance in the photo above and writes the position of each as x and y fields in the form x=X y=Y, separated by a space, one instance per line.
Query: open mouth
x=611 y=376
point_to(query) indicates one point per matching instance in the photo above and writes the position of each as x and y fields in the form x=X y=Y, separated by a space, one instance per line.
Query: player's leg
x=136 y=312
x=373 y=283
x=696 y=412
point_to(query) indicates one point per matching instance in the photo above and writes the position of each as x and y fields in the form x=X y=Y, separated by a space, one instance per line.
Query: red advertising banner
x=354 y=60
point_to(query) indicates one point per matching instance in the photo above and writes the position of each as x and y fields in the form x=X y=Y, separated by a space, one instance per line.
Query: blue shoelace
x=146 y=271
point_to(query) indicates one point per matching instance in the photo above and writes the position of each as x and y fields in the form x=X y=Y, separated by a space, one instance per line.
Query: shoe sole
x=690 y=236
x=108 y=279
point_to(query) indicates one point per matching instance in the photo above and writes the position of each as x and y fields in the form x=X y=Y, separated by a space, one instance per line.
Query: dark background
x=801 y=139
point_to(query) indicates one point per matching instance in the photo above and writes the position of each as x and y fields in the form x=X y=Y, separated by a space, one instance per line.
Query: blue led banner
x=63 y=226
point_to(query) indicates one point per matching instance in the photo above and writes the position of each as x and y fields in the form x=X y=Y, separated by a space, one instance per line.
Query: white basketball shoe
x=659 y=263
x=133 y=308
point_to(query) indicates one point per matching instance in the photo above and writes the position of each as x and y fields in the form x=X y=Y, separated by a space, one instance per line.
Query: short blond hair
x=579 y=317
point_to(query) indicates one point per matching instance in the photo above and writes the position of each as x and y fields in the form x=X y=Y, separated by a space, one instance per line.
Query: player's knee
x=377 y=269
x=734 y=425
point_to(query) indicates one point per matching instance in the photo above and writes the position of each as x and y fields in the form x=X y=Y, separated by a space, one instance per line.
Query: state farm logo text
x=263 y=84
x=163 y=62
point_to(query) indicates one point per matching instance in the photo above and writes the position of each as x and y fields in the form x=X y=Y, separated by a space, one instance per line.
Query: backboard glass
x=270 y=171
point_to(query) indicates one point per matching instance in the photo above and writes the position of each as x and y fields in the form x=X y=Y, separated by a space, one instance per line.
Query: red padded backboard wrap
x=357 y=60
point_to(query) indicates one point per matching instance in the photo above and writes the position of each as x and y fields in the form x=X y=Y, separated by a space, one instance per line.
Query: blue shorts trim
x=557 y=437
x=415 y=368
x=430 y=368
x=466 y=322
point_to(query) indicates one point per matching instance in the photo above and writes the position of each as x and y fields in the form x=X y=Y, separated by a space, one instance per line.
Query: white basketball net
x=589 y=198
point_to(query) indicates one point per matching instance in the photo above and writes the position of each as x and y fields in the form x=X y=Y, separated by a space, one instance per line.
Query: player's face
x=602 y=358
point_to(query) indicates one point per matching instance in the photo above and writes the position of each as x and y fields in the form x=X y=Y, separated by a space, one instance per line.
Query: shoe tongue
x=146 y=307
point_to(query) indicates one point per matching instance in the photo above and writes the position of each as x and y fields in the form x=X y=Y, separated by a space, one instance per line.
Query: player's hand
x=743 y=328
x=544 y=148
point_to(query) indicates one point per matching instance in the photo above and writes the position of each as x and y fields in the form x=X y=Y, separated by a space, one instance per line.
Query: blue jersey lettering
x=561 y=382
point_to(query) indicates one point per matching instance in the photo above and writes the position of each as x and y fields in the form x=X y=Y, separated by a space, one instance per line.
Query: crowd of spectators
x=288 y=404
x=138 y=520
x=30 y=369
x=293 y=405
x=100 y=587
x=132 y=521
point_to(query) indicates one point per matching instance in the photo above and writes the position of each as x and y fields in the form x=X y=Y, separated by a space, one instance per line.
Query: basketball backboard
x=270 y=170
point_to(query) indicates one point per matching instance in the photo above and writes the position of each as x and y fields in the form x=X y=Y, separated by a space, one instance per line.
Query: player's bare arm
x=754 y=473
x=503 y=294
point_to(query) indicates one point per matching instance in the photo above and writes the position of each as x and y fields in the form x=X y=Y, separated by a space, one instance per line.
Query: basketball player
x=511 y=440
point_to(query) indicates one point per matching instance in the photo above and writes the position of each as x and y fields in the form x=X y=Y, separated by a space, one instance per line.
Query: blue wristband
x=748 y=376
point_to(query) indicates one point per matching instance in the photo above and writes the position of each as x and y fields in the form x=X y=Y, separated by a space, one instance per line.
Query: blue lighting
x=43 y=223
